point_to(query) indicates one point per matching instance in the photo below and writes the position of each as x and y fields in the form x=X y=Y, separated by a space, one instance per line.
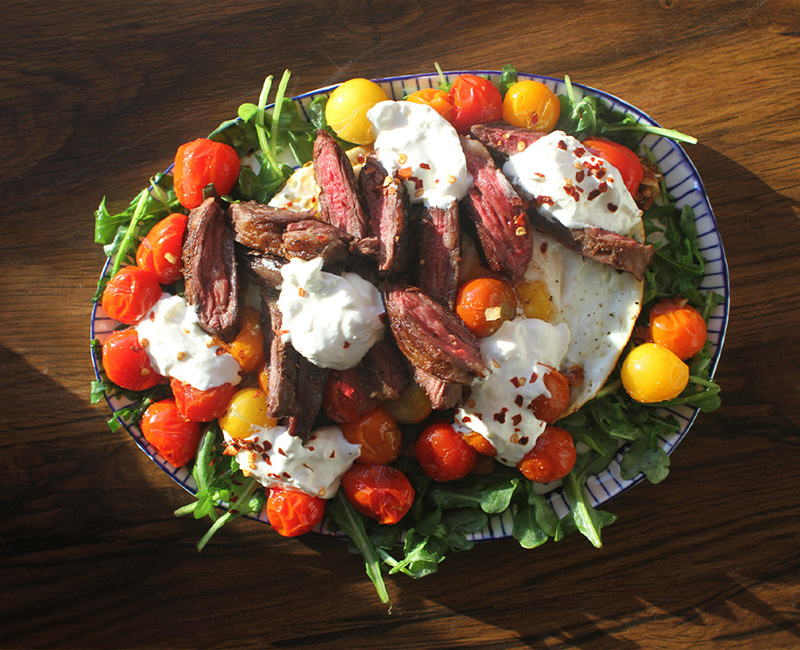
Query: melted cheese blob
x=573 y=186
x=423 y=149
x=332 y=320
x=275 y=458
x=178 y=347
x=498 y=407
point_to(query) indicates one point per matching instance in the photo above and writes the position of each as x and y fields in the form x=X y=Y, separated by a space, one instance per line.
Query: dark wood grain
x=96 y=96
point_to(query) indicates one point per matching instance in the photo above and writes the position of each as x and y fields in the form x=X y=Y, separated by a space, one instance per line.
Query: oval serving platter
x=683 y=183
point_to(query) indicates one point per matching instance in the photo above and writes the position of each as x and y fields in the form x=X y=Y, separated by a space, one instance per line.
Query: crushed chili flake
x=524 y=440
x=516 y=419
x=562 y=145
x=501 y=416
x=574 y=192
x=404 y=172
x=544 y=200
x=519 y=401
x=612 y=208
x=580 y=175
x=346 y=344
x=424 y=166
x=579 y=151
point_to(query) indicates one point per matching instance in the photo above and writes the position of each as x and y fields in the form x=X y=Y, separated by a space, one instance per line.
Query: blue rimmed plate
x=683 y=183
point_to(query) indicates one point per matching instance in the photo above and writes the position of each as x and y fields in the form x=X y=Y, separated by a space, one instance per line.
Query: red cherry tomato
x=126 y=363
x=549 y=409
x=625 y=160
x=443 y=454
x=130 y=294
x=476 y=100
x=344 y=399
x=551 y=458
x=292 y=512
x=678 y=327
x=378 y=434
x=201 y=405
x=175 y=439
x=200 y=163
x=379 y=492
x=438 y=100
x=484 y=304
x=160 y=251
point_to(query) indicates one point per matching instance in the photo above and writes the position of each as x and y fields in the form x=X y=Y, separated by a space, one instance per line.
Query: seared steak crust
x=261 y=227
x=442 y=394
x=209 y=268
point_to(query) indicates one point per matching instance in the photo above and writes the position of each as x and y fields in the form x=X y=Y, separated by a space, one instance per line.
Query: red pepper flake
x=534 y=377
x=612 y=208
x=289 y=204
x=466 y=418
x=579 y=151
x=544 y=200
x=518 y=400
x=281 y=452
x=310 y=448
x=404 y=172
x=580 y=175
x=574 y=192
x=516 y=419
x=538 y=174
x=219 y=351
x=333 y=454
x=286 y=475
x=543 y=247
x=524 y=440
x=152 y=316
x=501 y=416
x=562 y=145
x=601 y=189
x=424 y=166
x=346 y=344
x=517 y=381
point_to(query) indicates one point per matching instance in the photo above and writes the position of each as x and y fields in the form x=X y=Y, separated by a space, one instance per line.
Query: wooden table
x=96 y=97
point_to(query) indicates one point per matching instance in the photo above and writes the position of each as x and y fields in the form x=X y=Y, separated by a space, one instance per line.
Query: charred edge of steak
x=439 y=253
x=209 y=263
x=504 y=138
x=295 y=386
x=500 y=220
x=432 y=337
x=260 y=268
x=310 y=238
x=386 y=204
x=442 y=394
x=261 y=226
x=619 y=252
x=338 y=199
x=383 y=372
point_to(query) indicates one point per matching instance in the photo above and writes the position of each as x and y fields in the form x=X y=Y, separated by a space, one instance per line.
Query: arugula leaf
x=508 y=78
x=443 y=83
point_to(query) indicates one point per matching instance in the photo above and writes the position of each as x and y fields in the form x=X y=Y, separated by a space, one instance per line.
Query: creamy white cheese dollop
x=332 y=320
x=423 y=148
x=274 y=457
x=573 y=186
x=178 y=347
x=498 y=405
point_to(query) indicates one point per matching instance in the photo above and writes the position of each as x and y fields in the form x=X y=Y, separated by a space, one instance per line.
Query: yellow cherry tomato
x=531 y=105
x=347 y=106
x=411 y=407
x=651 y=373
x=246 y=413
x=248 y=346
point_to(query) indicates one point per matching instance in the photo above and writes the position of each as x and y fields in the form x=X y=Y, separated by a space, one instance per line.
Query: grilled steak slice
x=310 y=238
x=338 y=199
x=386 y=204
x=261 y=227
x=439 y=253
x=209 y=268
x=383 y=371
x=442 y=394
x=295 y=386
x=498 y=214
x=260 y=268
x=432 y=337
x=616 y=251
x=503 y=138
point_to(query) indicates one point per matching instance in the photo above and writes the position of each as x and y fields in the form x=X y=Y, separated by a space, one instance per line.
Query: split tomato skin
x=160 y=251
x=200 y=163
x=130 y=294
x=552 y=457
x=292 y=512
x=678 y=326
x=175 y=439
x=201 y=405
x=379 y=436
x=438 y=100
x=619 y=156
x=443 y=454
x=476 y=100
x=380 y=492
x=126 y=363
x=549 y=409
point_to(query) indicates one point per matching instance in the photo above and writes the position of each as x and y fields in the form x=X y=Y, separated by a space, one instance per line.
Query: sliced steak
x=261 y=227
x=442 y=394
x=497 y=214
x=503 y=138
x=295 y=386
x=310 y=238
x=209 y=268
x=432 y=337
x=338 y=198
x=386 y=205
x=383 y=371
x=436 y=272
x=616 y=251
x=260 y=268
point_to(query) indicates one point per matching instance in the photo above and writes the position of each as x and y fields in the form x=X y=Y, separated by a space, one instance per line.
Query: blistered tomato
x=476 y=100
x=552 y=457
x=484 y=304
x=651 y=373
x=625 y=160
x=678 y=326
x=160 y=251
x=130 y=294
x=175 y=439
x=549 y=408
x=126 y=363
x=347 y=106
x=201 y=163
x=292 y=512
x=201 y=405
x=246 y=412
x=443 y=454
x=380 y=492
x=438 y=100
x=531 y=105
x=378 y=434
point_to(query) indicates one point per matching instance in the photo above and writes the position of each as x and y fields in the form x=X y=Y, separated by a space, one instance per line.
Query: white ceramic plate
x=683 y=183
